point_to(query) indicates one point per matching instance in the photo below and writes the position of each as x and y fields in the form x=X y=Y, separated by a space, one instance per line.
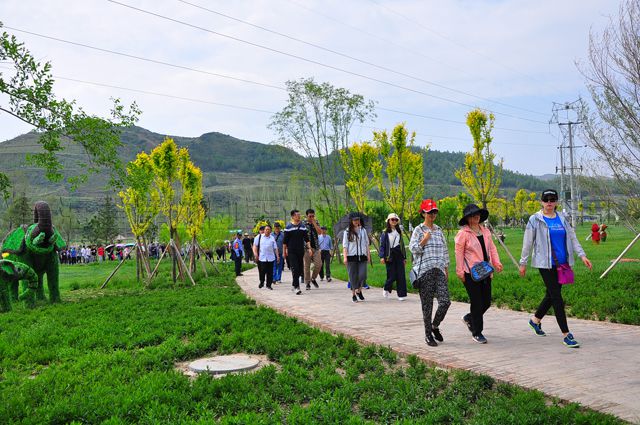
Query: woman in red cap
x=474 y=245
x=431 y=264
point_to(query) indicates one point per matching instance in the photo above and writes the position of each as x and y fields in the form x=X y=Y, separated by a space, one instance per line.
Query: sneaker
x=480 y=339
x=467 y=323
x=365 y=286
x=322 y=279
x=270 y=288
x=437 y=335
x=308 y=286
x=430 y=341
x=386 y=293
x=298 y=291
x=261 y=285
x=402 y=298
x=360 y=296
x=328 y=279
x=354 y=299
x=570 y=342
x=315 y=284
x=537 y=328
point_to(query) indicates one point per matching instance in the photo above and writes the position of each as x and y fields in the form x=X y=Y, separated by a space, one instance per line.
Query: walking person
x=266 y=253
x=247 y=243
x=296 y=241
x=473 y=244
x=554 y=244
x=431 y=262
x=326 y=245
x=393 y=256
x=278 y=266
x=237 y=252
x=312 y=257
x=356 y=255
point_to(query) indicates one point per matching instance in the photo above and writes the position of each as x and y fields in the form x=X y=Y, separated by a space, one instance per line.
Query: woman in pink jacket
x=473 y=245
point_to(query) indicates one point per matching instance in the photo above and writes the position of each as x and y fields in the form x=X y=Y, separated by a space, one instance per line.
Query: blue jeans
x=278 y=266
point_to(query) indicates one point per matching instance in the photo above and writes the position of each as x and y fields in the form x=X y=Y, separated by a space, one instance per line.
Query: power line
x=363 y=61
x=159 y=62
x=170 y=96
x=243 y=107
x=315 y=62
x=458 y=122
x=466 y=140
x=450 y=40
x=377 y=37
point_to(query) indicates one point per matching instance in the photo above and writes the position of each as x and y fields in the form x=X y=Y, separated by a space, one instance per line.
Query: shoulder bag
x=565 y=274
x=480 y=270
x=414 y=278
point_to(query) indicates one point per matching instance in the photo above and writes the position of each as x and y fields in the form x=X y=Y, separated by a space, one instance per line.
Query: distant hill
x=229 y=165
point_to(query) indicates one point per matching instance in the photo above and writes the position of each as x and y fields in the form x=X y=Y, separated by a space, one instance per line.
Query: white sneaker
x=386 y=293
x=401 y=298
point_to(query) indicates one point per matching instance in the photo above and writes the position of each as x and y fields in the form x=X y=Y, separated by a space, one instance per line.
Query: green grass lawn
x=107 y=356
x=615 y=298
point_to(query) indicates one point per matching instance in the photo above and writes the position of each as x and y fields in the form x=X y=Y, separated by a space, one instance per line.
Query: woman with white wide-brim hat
x=393 y=256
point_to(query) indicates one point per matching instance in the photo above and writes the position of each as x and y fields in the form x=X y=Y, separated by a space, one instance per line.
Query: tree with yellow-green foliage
x=532 y=204
x=176 y=180
x=360 y=163
x=400 y=175
x=520 y=205
x=449 y=213
x=140 y=202
x=479 y=175
x=191 y=182
x=501 y=208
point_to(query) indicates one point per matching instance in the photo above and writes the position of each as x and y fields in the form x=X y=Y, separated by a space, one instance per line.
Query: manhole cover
x=224 y=364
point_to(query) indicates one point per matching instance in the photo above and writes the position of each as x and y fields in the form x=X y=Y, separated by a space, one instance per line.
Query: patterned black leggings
x=434 y=284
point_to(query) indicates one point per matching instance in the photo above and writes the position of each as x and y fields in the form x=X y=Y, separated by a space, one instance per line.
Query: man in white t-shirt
x=266 y=253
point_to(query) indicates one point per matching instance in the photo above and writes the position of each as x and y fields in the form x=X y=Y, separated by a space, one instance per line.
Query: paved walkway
x=603 y=374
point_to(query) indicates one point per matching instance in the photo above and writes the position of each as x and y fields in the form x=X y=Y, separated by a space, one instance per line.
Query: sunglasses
x=550 y=200
x=433 y=212
x=393 y=219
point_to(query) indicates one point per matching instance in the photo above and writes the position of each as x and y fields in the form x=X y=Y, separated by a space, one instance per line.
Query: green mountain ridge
x=219 y=154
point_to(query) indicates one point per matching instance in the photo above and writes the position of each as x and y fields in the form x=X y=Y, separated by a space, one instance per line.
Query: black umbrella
x=343 y=224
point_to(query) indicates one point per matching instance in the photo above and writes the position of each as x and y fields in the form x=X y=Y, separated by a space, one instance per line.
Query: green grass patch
x=108 y=356
x=615 y=298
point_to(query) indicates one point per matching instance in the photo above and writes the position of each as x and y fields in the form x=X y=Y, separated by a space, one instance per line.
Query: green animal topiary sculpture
x=10 y=274
x=35 y=247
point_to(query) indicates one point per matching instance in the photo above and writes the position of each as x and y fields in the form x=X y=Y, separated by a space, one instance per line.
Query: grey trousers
x=357 y=274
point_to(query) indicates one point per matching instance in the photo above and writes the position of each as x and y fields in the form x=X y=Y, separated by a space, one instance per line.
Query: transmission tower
x=566 y=115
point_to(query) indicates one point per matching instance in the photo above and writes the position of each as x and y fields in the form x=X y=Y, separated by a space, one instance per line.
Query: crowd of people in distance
x=549 y=245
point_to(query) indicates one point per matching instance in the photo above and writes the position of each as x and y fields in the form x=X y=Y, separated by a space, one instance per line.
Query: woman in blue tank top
x=551 y=241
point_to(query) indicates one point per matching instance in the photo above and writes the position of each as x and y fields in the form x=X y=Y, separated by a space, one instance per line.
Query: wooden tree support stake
x=181 y=261
x=113 y=272
x=155 y=269
x=515 y=263
x=210 y=260
x=617 y=260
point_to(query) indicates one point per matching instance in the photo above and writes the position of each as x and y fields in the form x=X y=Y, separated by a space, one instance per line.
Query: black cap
x=549 y=193
x=473 y=209
x=354 y=215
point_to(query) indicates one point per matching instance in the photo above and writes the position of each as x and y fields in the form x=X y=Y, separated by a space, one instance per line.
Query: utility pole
x=565 y=115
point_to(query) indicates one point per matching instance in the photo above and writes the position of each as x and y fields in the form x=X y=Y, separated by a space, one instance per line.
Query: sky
x=198 y=66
